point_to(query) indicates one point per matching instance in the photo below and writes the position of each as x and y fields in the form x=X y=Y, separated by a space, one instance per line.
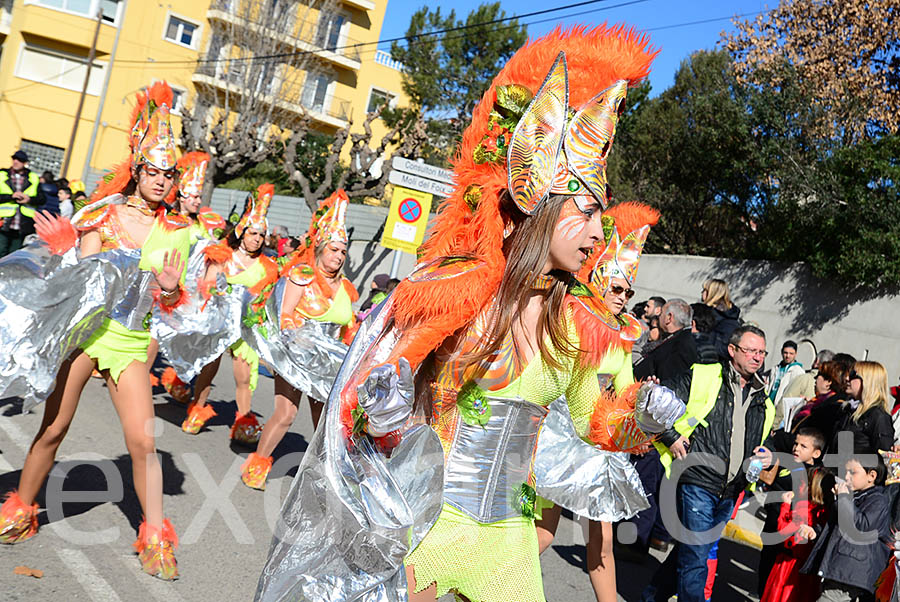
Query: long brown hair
x=526 y=251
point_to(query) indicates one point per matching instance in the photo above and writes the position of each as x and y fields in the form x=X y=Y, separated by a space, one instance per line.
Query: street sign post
x=399 y=178
x=407 y=220
x=423 y=170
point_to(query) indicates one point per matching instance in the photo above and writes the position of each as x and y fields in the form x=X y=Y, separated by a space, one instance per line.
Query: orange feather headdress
x=192 y=167
x=626 y=226
x=544 y=127
x=150 y=140
x=256 y=210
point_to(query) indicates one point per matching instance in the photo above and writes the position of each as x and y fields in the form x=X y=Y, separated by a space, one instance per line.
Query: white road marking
x=16 y=434
x=163 y=591
x=86 y=574
x=4 y=465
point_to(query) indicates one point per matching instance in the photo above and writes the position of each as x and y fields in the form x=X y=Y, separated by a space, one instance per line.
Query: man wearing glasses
x=729 y=417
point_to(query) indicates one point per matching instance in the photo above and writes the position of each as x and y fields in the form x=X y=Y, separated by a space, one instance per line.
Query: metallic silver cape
x=197 y=332
x=308 y=357
x=353 y=515
x=591 y=482
x=49 y=306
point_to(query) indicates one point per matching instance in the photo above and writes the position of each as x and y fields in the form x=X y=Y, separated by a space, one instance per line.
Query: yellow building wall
x=45 y=113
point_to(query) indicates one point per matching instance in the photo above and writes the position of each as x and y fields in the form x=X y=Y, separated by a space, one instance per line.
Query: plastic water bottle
x=753 y=469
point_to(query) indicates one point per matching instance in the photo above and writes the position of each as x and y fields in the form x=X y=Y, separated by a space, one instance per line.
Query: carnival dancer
x=442 y=400
x=206 y=224
x=241 y=261
x=128 y=220
x=314 y=289
x=606 y=283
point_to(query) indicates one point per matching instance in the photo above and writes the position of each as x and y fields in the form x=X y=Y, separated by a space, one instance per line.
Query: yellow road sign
x=407 y=220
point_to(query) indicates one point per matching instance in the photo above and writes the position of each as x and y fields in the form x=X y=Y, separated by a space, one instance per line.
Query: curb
x=736 y=533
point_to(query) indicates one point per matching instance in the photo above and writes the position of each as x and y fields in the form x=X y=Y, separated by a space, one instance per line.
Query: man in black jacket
x=728 y=417
x=678 y=352
x=20 y=197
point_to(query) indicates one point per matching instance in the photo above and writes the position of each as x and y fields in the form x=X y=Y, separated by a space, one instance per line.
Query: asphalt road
x=84 y=548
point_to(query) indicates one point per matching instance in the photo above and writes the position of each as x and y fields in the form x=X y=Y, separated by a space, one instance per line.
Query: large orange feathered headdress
x=544 y=127
x=150 y=140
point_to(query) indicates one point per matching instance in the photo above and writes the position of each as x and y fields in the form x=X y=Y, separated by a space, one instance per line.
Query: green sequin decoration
x=473 y=405
x=526 y=498
x=573 y=185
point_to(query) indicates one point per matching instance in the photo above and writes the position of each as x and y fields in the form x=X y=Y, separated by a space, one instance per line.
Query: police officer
x=20 y=196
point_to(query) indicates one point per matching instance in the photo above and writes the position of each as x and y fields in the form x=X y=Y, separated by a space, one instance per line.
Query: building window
x=57 y=69
x=86 y=8
x=43 y=157
x=179 y=97
x=328 y=35
x=315 y=89
x=377 y=98
x=110 y=10
x=181 y=31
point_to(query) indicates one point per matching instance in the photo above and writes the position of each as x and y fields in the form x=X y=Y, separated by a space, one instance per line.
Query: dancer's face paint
x=155 y=184
x=577 y=232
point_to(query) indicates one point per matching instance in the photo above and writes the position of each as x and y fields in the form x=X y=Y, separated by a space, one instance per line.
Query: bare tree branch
x=250 y=83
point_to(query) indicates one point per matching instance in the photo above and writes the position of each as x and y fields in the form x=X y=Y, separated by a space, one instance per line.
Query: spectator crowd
x=816 y=444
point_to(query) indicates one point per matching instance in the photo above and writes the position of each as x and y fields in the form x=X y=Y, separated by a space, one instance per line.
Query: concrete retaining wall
x=787 y=302
x=784 y=299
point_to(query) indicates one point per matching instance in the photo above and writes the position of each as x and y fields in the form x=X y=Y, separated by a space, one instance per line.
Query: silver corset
x=135 y=303
x=486 y=465
x=132 y=309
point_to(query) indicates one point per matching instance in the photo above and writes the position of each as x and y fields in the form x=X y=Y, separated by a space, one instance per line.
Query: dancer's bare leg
x=59 y=409
x=134 y=403
x=429 y=594
x=546 y=527
x=203 y=385
x=287 y=398
x=242 y=395
x=315 y=410
x=600 y=562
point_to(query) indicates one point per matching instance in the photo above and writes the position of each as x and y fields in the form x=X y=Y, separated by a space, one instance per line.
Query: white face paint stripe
x=571 y=227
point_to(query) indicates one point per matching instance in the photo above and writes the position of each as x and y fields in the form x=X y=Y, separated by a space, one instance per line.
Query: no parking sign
x=407 y=219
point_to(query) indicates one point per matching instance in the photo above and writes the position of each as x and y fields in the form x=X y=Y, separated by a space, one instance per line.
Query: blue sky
x=655 y=16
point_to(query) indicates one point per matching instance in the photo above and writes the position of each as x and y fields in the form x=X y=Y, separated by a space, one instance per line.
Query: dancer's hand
x=58 y=232
x=170 y=275
x=387 y=397
x=657 y=408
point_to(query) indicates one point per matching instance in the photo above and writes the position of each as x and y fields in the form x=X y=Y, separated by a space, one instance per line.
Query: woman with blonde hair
x=868 y=410
x=728 y=315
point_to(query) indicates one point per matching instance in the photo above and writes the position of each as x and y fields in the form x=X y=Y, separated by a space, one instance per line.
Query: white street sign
x=423 y=170
x=416 y=183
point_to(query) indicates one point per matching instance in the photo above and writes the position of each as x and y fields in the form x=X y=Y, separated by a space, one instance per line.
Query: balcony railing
x=347 y=48
x=336 y=114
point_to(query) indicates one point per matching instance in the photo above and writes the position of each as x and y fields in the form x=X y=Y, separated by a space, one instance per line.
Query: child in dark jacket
x=852 y=548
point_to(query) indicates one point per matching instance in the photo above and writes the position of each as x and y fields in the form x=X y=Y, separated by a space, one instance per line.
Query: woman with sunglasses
x=602 y=322
x=867 y=411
